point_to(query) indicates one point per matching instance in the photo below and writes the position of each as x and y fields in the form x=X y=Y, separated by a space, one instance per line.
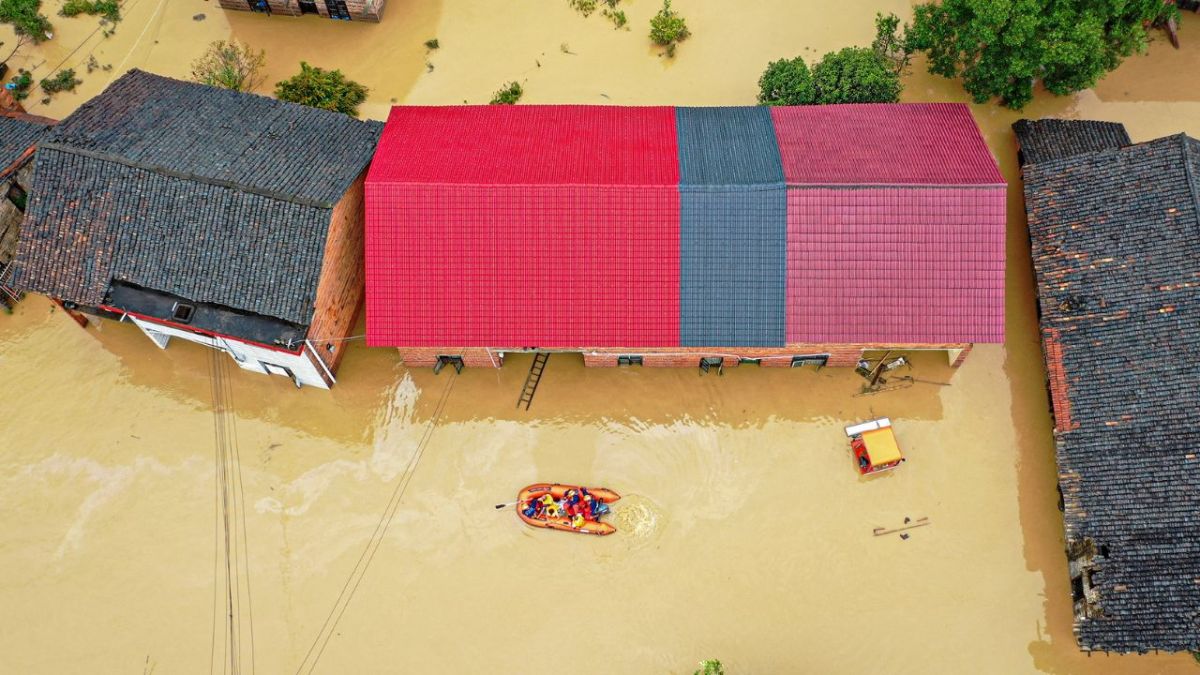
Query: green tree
x=855 y=75
x=26 y=18
x=509 y=94
x=1001 y=48
x=230 y=65
x=667 y=28
x=320 y=88
x=786 y=82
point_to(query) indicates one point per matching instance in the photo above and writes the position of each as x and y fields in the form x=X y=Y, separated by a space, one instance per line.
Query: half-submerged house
x=345 y=10
x=1115 y=232
x=222 y=218
x=19 y=134
x=676 y=236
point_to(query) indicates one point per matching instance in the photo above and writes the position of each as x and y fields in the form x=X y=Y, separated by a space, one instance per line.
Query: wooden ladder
x=532 y=380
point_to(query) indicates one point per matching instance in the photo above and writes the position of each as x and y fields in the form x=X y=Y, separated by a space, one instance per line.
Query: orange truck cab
x=874 y=446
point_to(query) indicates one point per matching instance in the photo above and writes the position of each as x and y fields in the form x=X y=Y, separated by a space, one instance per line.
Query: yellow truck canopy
x=881 y=446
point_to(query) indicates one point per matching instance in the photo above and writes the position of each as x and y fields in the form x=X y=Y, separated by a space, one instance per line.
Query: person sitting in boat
x=578 y=521
x=530 y=508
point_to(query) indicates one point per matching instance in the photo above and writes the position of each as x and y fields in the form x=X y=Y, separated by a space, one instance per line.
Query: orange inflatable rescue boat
x=571 y=508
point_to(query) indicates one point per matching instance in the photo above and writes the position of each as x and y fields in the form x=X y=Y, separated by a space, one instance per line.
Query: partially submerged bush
x=320 y=88
x=508 y=94
x=432 y=44
x=667 y=28
x=65 y=80
x=21 y=84
x=26 y=19
x=230 y=65
x=109 y=9
x=855 y=75
x=786 y=82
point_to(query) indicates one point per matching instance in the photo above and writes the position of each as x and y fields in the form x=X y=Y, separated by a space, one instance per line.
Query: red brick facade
x=341 y=288
x=359 y=10
x=679 y=357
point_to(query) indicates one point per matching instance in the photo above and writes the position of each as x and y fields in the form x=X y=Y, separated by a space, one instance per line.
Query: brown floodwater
x=745 y=533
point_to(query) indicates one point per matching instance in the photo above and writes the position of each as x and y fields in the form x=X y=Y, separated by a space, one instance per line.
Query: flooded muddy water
x=371 y=541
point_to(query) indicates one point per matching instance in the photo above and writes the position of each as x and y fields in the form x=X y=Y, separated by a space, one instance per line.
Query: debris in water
x=904 y=535
x=198 y=17
x=920 y=522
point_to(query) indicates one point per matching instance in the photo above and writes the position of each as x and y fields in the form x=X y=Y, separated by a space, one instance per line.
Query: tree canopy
x=26 y=18
x=1001 y=48
x=786 y=82
x=855 y=75
x=320 y=88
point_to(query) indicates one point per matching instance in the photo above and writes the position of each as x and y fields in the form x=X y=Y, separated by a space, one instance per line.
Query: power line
x=364 y=560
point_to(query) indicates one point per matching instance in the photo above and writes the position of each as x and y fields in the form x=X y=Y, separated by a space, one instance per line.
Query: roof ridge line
x=183 y=175
x=898 y=185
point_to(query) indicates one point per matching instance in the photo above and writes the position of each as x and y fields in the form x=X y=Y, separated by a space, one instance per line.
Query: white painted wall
x=248 y=356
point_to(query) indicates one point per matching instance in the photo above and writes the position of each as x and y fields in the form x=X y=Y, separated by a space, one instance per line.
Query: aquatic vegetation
x=26 y=18
x=1000 y=50
x=786 y=82
x=710 y=667
x=667 y=28
x=508 y=94
x=109 y=9
x=617 y=16
x=230 y=65
x=320 y=88
x=584 y=7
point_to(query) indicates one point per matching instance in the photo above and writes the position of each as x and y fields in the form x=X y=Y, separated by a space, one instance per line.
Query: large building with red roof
x=781 y=235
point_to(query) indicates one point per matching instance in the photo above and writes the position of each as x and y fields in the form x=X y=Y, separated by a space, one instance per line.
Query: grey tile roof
x=18 y=133
x=733 y=228
x=203 y=193
x=253 y=143
x=1048 y=139
x=1116 y=249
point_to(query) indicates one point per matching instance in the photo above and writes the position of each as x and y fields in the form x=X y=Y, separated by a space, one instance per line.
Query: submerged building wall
x=349 y=10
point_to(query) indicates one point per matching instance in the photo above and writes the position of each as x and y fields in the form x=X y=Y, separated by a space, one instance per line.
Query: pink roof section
x=528 y=145
x=524 y=226
x=896 y=265
x=883 y=144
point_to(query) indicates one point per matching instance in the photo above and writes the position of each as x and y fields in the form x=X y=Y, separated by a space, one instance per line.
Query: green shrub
x=584 y=7
x=320 y=88
x=109 y=9
x=617 y=16
x=230 y=65
x=508 y=94
x=711 y=667
x=63 y=81
x=22 y=83
x=432 y=44
x=25 y=18
x=667 y=28
x=855 y=75
x=786 y=82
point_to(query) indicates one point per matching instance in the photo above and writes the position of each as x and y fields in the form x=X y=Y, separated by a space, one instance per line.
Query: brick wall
x=360 y=10
x=341 y=288
x=678 y=357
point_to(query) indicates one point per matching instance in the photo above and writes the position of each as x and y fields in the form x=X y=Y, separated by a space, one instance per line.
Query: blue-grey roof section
x=727 y=146
x=733 y=229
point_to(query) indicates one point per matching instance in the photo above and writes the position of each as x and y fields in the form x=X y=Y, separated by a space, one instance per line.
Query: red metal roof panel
x=883 y=144
x=528 y=145
x=896 y=265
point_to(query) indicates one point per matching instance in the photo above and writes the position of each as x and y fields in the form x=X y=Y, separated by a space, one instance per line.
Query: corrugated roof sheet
x=733 y=228
x=896 y=265
x=883 y=144
x=1116 y=249
x=528 y=145
x=1047 y=139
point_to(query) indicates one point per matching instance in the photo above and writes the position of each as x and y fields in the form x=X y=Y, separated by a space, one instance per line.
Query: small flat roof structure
x=1115 y=235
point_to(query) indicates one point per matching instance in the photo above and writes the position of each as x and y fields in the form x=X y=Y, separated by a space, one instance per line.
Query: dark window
x=626 y=360
x=182 y=312
x=259 y=6
x=308 y=7
x=818 y=360
x=750 y=362
x=709 y=362
x=337 y=9
x=444 y=360
x=16 y=195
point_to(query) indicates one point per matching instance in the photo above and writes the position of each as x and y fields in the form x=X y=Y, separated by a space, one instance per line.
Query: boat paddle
x=504 y=506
